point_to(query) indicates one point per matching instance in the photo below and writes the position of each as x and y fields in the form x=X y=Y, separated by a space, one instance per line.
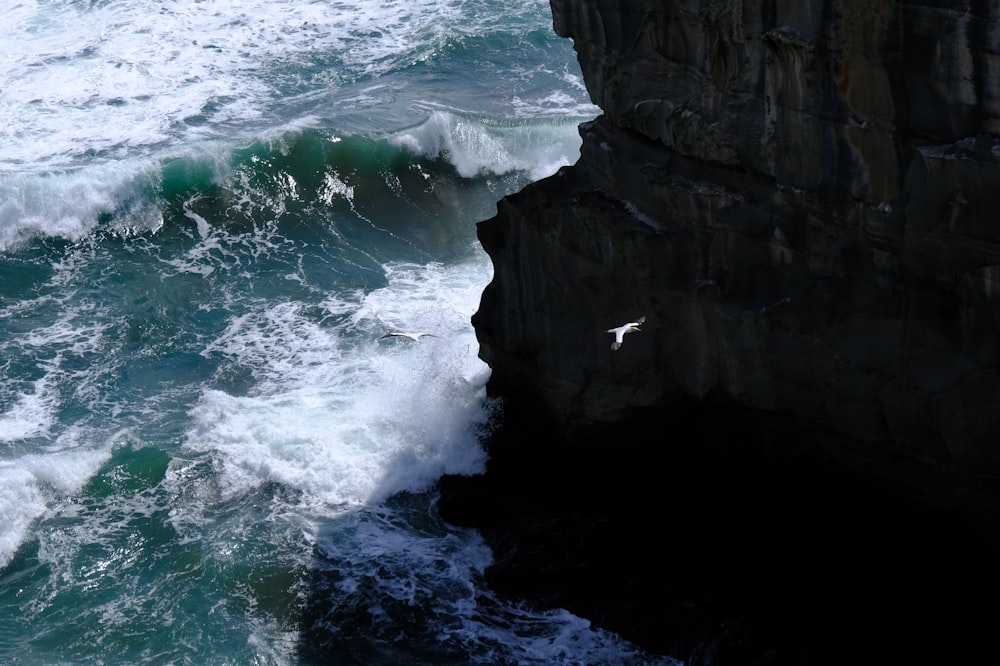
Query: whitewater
x=210 y=213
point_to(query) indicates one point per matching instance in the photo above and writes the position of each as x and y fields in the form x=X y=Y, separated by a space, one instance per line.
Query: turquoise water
x=210 y=211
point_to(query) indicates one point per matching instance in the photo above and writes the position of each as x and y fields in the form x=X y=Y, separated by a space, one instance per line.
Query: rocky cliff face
x=803 y=200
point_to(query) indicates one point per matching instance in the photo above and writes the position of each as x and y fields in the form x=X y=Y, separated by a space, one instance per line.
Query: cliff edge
x=801 y=198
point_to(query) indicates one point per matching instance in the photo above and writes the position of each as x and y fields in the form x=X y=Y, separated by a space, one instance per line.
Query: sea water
x=210 y=213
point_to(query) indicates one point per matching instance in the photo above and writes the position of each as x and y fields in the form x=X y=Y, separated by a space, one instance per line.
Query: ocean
x=210 y=213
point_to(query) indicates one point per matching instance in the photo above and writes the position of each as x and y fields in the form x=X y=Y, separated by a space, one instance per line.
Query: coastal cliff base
x=706 y=538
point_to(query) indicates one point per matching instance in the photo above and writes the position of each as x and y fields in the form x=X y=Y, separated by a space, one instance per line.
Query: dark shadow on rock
x=706 y=538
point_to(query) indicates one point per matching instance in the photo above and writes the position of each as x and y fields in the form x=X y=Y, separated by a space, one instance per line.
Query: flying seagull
x=620 y=331
x=412 y=336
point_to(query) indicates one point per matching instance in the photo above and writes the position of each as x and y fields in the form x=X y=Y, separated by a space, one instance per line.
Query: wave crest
x=478 y=146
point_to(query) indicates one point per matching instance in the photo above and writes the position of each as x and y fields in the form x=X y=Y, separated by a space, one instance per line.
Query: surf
x=210 y=213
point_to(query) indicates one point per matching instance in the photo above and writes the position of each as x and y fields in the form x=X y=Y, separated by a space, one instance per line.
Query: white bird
x=412 y=336
x=620 y=331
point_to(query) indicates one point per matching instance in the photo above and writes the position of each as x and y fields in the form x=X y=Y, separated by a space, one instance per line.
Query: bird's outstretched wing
x=620 y=331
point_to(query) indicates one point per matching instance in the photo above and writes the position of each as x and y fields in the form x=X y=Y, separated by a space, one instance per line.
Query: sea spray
x=210 y=213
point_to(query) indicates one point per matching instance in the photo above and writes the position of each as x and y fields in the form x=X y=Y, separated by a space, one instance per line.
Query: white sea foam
x=338 y=413
x=97 y=95
x=58 y=358
x=69 y=204
x=557 y=103
x=30 y=483
x=21 y=501
x=92 y=79
x=69 y=329
x=31 y=414
x=478 y=146
x=310 y=418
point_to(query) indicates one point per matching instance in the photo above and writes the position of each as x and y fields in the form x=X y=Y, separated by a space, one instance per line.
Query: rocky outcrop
x=800 y=197
x=796 y=459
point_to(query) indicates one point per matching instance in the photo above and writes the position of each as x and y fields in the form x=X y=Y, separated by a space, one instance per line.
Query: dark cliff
x=802 y=199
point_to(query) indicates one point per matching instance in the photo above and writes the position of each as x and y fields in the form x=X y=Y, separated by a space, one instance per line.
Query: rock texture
x=803 y=200
x=800 y=196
